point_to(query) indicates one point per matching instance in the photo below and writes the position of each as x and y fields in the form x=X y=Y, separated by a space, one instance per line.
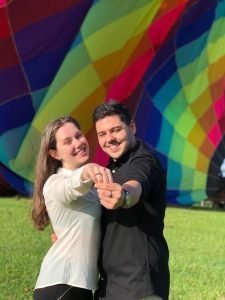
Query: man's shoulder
x=142 y=150
x=145 y=155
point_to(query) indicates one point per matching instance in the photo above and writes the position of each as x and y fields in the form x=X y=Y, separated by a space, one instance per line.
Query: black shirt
x=134 y=254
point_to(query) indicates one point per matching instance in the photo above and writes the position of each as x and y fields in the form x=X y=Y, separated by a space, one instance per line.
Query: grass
x=21 y=250
x=197 y=253
x=196 y=240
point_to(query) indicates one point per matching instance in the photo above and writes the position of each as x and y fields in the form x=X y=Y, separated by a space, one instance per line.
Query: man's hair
x=111 y=108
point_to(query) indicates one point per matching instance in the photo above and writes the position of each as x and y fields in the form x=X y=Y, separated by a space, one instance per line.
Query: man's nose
x=110 y=137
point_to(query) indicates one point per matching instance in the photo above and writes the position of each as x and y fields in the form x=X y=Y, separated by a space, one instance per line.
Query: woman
x=64 y=197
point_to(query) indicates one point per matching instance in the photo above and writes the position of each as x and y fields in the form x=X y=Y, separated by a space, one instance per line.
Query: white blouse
x=74 y=211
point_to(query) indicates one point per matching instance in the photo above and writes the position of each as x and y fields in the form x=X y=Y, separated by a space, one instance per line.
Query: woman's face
x=71 y=147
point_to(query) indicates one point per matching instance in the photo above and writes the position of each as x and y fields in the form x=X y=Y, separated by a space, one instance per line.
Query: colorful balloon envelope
x=165 y=60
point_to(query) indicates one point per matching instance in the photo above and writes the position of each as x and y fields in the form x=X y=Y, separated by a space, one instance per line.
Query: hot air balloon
x=163 y=59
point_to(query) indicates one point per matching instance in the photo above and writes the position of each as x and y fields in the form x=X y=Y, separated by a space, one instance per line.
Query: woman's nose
x=76 y=142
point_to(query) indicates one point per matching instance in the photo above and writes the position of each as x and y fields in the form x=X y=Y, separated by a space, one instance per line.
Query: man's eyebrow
x=116 y=127
x=112 y=128
x=100 y=131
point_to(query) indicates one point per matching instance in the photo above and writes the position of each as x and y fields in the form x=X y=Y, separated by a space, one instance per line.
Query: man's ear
x=132 y=126
x=54 y=153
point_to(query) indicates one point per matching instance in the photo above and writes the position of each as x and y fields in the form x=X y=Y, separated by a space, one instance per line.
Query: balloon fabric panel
x=164 y=59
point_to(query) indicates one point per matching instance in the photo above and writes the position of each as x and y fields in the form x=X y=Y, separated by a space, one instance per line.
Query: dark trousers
x=62 y=291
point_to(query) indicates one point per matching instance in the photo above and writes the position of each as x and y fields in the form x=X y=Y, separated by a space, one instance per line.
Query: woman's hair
x=45 y=167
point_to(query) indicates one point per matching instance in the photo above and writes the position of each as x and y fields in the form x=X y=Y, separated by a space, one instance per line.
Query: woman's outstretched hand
x=96 y=173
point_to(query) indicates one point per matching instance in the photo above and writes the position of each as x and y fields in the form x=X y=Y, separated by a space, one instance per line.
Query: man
x=134 y=254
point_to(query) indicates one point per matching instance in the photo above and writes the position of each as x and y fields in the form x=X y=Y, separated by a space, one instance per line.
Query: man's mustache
x=114 y=142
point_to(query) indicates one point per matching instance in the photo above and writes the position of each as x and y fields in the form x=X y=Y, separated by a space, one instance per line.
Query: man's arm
x=114 y=195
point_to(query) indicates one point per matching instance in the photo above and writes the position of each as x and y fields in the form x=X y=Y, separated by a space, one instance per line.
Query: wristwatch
x=127 y=200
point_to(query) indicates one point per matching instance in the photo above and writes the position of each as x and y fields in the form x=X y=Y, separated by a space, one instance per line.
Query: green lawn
x=196 y=240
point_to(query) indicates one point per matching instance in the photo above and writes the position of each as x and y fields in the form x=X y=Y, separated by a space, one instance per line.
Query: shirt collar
x=64 y=171
x=116 y=164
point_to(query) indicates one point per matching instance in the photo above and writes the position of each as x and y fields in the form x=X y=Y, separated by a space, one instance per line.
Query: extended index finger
x=107 y=186
x=108 y=176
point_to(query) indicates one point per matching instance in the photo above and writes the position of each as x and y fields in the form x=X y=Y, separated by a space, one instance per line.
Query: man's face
x=114 y=136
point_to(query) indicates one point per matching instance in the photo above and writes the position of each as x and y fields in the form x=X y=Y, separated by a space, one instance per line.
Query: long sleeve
x=66 y=186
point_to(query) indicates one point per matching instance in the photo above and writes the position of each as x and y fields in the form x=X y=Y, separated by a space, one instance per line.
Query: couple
x=128 y=197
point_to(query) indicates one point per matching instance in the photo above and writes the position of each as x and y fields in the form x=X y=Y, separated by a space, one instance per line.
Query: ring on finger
x=109 y=194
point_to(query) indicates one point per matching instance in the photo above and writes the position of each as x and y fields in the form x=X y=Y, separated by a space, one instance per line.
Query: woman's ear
x=54 y=153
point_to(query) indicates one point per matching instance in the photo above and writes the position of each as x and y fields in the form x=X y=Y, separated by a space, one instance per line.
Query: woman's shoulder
x=53 y=180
